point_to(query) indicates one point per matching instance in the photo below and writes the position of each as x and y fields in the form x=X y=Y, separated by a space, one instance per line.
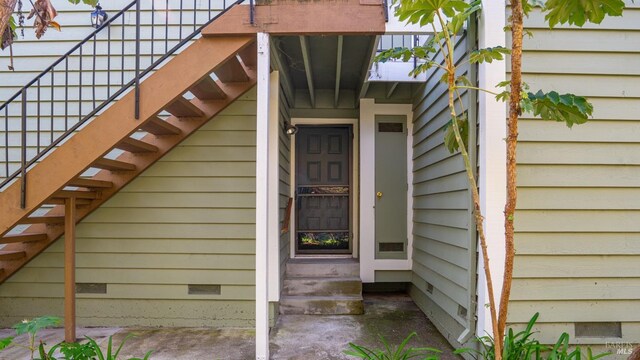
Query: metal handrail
x=69 y=130
x=68 y=53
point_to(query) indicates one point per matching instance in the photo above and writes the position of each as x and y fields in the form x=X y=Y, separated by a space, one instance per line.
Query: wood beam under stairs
x=57 y=178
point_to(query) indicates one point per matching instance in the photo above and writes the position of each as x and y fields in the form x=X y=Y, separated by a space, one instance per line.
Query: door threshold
x=323 y=256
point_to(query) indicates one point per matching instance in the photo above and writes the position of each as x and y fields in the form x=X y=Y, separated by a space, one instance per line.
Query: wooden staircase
x=26 y=232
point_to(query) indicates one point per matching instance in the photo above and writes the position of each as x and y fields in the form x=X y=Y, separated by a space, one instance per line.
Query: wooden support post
x=70 y=270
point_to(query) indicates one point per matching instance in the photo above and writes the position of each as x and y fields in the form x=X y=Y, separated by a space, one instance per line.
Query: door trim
x=368 y=263
x=355 y=180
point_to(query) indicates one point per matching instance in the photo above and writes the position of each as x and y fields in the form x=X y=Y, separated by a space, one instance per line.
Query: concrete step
x=313 y=286
x=322 y=268
x=321 y=305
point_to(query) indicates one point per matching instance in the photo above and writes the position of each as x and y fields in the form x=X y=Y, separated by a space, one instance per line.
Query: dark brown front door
x=323 y=189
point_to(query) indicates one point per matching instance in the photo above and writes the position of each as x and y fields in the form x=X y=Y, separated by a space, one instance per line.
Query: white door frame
x=368 y=263
x=354 y=192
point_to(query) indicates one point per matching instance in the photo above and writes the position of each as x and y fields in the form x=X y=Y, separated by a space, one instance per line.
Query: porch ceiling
x=334 y=63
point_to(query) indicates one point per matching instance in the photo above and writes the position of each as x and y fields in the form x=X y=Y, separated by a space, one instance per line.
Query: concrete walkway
x=294 y=337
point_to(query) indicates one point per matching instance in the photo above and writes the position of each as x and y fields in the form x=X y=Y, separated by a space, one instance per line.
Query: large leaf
x=488 y=54
x=423 y=12
x=568 y=108
x=457 y=21
x=577 y=12
x=449 y=135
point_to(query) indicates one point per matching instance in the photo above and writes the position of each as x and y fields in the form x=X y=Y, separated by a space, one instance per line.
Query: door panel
x=323 y=189
x=391 y=187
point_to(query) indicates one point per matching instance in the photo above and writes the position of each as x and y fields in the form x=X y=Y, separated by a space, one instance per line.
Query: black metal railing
x=393 y=41
x=106 y=64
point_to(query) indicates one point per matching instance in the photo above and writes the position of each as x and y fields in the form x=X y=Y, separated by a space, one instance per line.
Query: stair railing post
x=416 y=43
x=23 y=151
x=252 y=14
x=137 y=84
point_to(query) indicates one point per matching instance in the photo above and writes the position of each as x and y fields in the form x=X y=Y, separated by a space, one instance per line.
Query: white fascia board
x=262 y=209
x=492 y=116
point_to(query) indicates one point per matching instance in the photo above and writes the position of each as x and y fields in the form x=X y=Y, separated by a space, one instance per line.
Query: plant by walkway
x=520 y=345
x=89 y=350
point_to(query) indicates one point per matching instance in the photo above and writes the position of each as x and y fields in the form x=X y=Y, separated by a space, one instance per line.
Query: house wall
x=577 y=223
x=443 y=270
x=188 y=219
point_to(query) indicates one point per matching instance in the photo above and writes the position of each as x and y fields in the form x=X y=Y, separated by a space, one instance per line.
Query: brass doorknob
x=379 y=194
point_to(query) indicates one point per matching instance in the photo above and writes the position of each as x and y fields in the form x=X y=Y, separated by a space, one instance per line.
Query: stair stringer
x=142 y=161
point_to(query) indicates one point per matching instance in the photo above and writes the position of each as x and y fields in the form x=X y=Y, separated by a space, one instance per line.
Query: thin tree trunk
x=6 y=9
x=512 y=139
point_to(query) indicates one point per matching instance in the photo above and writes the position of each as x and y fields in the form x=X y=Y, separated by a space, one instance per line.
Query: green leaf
x=6 y=342
x=503 y=96
x=35 y=325
x=463 y=80
x=91 y=3
x=528 y=5
x=424 y=12
x=457 y=21
x=449 y=135
x=567 y=108
x=94 y=345
x=12 y=26
x=578 y=12
x=488 y=54
x=405 y=54
x=421 y=68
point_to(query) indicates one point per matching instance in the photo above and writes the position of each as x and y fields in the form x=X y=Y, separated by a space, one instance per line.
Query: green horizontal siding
x=188 y=219
x=578 y=213
x=440 y=279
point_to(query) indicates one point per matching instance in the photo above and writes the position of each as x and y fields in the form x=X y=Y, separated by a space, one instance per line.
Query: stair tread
x=249 y=55
x=182 y=107
x=208 y=89
x=113 y=165
x=47 y=219
x=61 y=201
x=80 y=194
x=136 y=146
x=231 y=71
x=157 y=126
x=90 y=183
x=12 y=255
x=17 y=238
